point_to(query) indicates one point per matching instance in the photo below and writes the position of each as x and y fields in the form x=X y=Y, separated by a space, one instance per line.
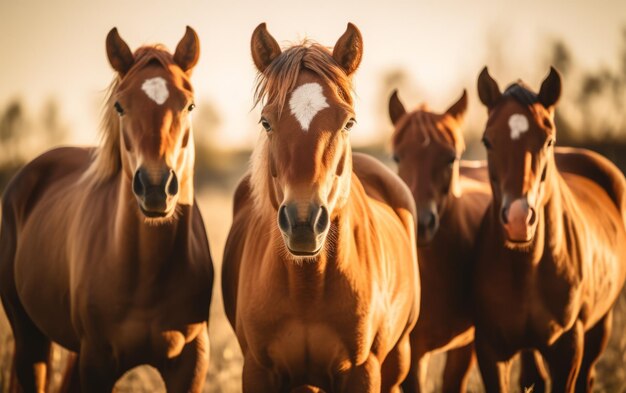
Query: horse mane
x=419 y=119
x=272 y=87
x=520 y=92
x=106 y=160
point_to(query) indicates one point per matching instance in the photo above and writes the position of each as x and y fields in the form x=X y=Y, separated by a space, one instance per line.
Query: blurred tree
x=54 y=129
x=22 y=137
x=13 y=129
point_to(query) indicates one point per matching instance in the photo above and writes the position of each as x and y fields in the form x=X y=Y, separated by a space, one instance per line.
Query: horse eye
x=118 y=108
x=349 y=125
x=550 y=142
x=396 y=159
x=266 y=125
x=486 y=143
x=451 y=161
x=191 y=107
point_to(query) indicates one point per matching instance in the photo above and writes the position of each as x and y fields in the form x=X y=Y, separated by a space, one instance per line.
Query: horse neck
x=150 y=245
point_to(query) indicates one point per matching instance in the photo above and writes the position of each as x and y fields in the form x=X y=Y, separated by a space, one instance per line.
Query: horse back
x=35 y=179
x=598 y=169
x=381 y=184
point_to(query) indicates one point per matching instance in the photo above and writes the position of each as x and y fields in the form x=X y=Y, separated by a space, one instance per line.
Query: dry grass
x=226 y=361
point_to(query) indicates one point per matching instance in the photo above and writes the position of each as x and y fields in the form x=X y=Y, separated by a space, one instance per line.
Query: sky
x=56 y=49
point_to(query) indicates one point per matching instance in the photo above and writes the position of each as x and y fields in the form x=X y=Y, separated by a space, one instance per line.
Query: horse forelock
x=430 y=127
x=274 y=84
x=106 y=161
x=521 y=93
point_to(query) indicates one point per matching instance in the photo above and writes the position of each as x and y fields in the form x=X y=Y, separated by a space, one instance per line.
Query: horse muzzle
x=304 y=229
x=427 y=225
x=519 y=220
x=156 y=192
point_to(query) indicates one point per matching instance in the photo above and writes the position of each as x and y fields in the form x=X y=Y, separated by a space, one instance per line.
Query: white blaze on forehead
x=518 y=124
x=306 y=101
x=156 y=89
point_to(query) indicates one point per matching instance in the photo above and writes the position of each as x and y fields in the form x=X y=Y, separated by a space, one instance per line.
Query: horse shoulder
x=233 y=251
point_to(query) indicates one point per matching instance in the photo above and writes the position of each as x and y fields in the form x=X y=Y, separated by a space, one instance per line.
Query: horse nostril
x=504 y=215
x=426 y=219
x=321 y=220
x=172 y=184
x=138 y=187
x=533 y=217
x=283 y=219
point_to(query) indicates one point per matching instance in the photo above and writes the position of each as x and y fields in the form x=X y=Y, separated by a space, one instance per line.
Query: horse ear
x=396 y=109
x=348 y=50
x=264 y=47
x=550 y=89
x=188 y=50
x=457 y=110
x=488 y=89
x=120 y=56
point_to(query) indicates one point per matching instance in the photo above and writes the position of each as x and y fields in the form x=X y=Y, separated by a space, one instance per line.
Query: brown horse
x=552 y=244
x=320 y=274
x=104 y=251
x=451 y=197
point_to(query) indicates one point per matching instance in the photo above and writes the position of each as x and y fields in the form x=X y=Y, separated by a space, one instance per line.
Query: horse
x=103 y=250
x=552 y=245
x=451 y=196
x=320 y=279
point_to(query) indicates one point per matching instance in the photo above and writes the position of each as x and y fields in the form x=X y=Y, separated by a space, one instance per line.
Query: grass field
x=226 y=361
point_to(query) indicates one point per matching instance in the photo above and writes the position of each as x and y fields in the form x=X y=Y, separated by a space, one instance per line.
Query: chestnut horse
x=320 y=274
x=451 y=197
x=103 y=250
x=552 y=244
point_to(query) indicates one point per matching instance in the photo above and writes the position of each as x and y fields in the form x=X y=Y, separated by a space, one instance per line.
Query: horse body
x=320 y=275
x=83 y=266
x=288 y=317
x=577 y=278
x=447 y=320
x=451 y=197
x=104 y=275
x=553 y=289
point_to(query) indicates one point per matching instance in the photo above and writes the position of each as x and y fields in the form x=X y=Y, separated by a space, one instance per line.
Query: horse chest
x=306 y=341
x=528 y=307
x=307 y=348
x=151 y=319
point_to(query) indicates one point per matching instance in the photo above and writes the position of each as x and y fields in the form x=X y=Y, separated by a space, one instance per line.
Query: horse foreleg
x=533 y=374
x=396 y=366
x=564 y=357
x=418 y=367
x=495 y=371
x=32 y=351
x=596 y=340
x=71 y=381
x=456 y=371
x=365 y=378
x=257 y=379
x=98 y=372
x=187 y=372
